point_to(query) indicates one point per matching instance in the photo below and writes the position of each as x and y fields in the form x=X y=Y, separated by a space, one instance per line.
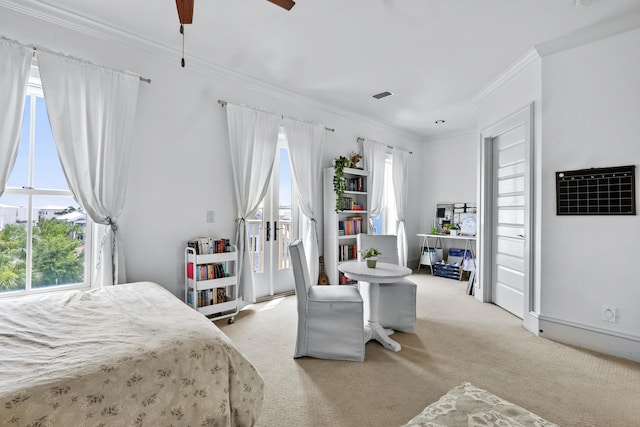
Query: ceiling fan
x=185 y=8
x=185 y=14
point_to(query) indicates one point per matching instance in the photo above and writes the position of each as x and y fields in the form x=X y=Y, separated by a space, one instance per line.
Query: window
x=42 y=227
x=386 y=222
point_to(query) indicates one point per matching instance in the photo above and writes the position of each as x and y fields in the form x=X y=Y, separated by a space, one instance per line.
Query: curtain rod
x=142 y=79
x=360 y=139
x=224 y=104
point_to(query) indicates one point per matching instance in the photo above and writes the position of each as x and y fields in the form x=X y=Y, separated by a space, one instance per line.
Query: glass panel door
x=270 y=231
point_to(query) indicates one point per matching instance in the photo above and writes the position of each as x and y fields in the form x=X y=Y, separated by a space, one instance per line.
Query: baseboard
x=613 y=343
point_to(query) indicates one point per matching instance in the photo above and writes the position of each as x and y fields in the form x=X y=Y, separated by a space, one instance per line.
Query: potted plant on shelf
x=453 y=229
x=339 y=181
x=371 y=255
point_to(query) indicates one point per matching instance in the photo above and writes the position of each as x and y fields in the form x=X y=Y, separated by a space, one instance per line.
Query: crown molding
x=602 y=30
x=514 y=69
x=45 y=11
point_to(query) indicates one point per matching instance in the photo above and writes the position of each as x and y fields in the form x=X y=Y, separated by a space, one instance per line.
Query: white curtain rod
x=142 y=79
x=361 y=139
x=224 y=103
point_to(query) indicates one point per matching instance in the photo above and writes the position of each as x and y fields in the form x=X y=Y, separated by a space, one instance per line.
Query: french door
x=270 y=231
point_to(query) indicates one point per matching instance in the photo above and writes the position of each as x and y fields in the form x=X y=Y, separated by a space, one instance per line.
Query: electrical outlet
x=211 y=216
x=609 y=313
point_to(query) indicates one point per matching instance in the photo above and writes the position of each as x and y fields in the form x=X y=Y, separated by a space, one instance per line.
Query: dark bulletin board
x=596 y=191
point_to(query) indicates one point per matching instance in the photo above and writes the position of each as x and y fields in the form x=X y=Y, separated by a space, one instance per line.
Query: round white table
x=381 y=274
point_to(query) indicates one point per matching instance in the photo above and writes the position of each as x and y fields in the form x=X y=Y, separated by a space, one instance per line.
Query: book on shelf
x=355 y=184
x=208 y=297
x=209 y=245
x=211 y=271
x=344 y=280
x=347 y=252
x=221 y=295
x=350 y=226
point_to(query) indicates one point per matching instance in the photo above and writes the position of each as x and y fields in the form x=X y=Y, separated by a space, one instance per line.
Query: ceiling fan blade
x=185 y=11
x=287 y=4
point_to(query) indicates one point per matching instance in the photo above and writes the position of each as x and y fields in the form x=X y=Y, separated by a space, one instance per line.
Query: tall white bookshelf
x=339 y=246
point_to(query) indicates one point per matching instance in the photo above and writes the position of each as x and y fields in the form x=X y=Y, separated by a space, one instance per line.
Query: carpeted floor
x=457 y=339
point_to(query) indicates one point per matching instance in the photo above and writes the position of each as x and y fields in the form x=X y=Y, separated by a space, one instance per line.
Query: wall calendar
x=596 y=191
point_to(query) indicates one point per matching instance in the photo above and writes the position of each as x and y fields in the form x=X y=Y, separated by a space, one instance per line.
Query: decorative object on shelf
x=355 y=159
x=371 y=255
x=339 y=181
x=452 y=229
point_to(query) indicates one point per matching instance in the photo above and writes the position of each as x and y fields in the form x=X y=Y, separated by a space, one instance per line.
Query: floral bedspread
x=127 y=355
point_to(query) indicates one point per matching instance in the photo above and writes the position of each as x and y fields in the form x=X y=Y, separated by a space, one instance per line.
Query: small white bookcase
x=211 y=284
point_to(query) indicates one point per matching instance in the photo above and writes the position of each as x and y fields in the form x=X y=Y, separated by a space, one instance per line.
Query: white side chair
x=397 y=304
x=330 y=318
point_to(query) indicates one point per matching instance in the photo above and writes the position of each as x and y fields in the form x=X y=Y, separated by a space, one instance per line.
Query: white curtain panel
x=374 y=158
x=400 y=166
x=306 y=147
x=92 y=112
x=253 y=139
x=15 y=62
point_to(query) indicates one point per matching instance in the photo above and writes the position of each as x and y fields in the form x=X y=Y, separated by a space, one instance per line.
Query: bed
x=126 y=355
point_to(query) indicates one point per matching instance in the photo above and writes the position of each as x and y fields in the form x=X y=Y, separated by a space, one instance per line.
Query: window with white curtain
x=43 y=230
x=386 y=222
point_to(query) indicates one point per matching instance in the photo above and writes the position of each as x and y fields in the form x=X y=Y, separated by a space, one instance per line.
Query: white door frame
x=522 y=117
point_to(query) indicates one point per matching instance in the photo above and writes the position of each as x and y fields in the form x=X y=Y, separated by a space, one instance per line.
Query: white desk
x=437 y=242
x=383 y=273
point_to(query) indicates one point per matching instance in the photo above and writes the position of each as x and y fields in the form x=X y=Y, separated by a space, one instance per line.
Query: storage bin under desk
x=450 y=271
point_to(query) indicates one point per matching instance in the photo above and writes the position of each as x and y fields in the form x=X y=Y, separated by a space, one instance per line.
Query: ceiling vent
x=382 y=95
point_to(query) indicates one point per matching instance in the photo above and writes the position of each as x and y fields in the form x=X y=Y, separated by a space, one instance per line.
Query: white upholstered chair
x=397 y=303
x=330 y=318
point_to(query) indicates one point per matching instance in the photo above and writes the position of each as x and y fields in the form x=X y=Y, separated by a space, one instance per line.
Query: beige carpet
x=457 y=339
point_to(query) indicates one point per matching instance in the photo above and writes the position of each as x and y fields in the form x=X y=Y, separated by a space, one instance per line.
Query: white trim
x=47 y=12
x=522 y=117
x=512 y=71
x=615 y=343
x=590 y=34
x=602 y=30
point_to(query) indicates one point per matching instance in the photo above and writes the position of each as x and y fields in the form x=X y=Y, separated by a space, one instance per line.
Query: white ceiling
x=434 y=55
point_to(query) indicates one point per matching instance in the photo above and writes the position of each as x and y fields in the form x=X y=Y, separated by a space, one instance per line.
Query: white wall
x=180 y=158
x=449 y=173
x=586 y=108
x=517 y=90
x=591 y=119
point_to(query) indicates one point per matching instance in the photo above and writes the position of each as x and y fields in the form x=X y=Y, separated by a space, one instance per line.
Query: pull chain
x=182 y=32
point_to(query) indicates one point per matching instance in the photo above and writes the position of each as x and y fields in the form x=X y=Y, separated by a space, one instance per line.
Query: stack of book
x=350 y=226
x=347 y=252
x=209 y=245
x=206 y=271
x=355 y=184
x=208 y=297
